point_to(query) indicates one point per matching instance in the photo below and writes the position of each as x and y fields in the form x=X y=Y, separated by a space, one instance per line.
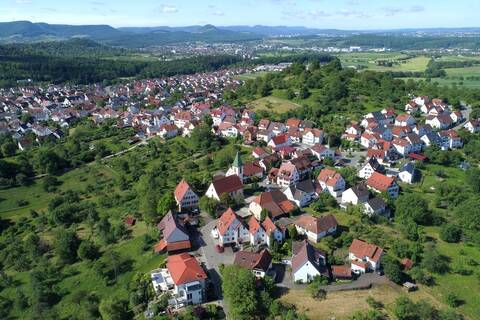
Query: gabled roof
x=269 y=226
x=360 y=190
x=184 y=269
x=226 y=220
x=362 y=249
x=377 y=203
x=170 y=225
x=252 y=261
x=304 y=252
x=181 y=189
x=253 y=225
x=275 y=202
x=380 y=182
x=227 y=184
x=316 y=225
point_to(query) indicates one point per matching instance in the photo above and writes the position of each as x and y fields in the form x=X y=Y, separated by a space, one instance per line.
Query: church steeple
x=237 y=166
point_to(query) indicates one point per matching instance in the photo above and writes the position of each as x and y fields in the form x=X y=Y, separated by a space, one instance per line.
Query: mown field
x=369 y=61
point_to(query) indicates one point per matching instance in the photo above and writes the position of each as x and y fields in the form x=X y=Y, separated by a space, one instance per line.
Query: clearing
x=273 y=104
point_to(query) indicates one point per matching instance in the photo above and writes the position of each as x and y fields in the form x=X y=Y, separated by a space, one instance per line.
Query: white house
x=364 y=257
x=312 y=136
x=258 y=262
x=231 y=185
x=307 y=262
x=355 y=195
x=230 y=229
x=185 y=197
x=473 y=126
x=183 y=278
x=315 y=228
x=369 y=168
x=408 y=173
x=331 y=182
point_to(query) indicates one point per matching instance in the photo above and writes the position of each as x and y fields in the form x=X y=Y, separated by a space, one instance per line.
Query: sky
x=325 y=14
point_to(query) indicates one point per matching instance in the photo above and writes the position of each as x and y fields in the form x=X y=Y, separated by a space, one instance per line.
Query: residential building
x=315 y=228
x=258 y=262
x=185 y=197
x=364 y=257
x=275 y=202
x=370 y=167
x=231 y=185
x=381 y=183
x=175 y=236
x=230 y=229
x=355 y=195
x=307 y=262
x=331 y=182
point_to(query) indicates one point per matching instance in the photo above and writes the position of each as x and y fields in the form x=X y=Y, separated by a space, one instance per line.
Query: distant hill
x=26 y=31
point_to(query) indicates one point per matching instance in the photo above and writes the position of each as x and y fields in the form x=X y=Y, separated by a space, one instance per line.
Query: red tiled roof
x=363 y=249
x=380 y=182
x=269 y=226
x=162 y=245
x=226 y=219
x=181 y=190
x=252 y=168
x=293 y=122
x=253 y=225
x=275 y=202
x=341 y=272
x=184 y=269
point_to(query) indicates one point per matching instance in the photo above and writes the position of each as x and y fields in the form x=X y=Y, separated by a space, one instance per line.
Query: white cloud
x=166 y=8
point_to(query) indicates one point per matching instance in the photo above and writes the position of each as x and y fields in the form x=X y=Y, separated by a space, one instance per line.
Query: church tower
x=237 y=167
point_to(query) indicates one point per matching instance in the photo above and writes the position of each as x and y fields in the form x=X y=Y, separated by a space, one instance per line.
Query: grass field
x=273 y=104
x=401 y=61
x=341 y=305
x=250 y=76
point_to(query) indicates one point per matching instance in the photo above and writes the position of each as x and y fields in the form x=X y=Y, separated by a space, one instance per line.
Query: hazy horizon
x=343 y=15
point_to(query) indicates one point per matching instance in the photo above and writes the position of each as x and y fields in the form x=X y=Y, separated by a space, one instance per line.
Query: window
x=189 y=296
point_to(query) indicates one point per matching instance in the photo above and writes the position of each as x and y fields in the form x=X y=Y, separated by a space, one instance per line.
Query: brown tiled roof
x=341 y=272
x=227 y=184
x=224 y=222
x=315 y=224
x=275 y=202
x=251 y=260
x=380 y=182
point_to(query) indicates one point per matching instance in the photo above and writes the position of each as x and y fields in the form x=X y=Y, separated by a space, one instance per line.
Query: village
x=292 y=166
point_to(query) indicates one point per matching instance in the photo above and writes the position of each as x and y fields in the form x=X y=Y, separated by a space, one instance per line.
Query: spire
x=237 y=163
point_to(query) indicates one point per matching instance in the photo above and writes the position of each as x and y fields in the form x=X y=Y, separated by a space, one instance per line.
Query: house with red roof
x=473 y=126
x=450 y=139
x=185 y=197
x=231 y=185
x=315 y=228
x=293 y=123
x=404 y=120
x=332 y=182
x=322 y=152
x=274 y=201
x=312 y=136
x=364 y=256
x=381 y=183
x=287 y=175
x=258 y=236
x=259 y=153
x=280 y=141
x=402 y=146
x=230 y=229
x=183 y=278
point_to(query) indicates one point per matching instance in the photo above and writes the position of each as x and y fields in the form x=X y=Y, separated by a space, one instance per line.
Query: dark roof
x=252 y=260
x=409 y=167
x=227 y=184
x=377 y=203
x=376 y=165
x=303 y=252
x=360 y=190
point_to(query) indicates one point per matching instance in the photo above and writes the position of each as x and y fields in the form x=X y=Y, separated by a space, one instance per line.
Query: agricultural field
x=370 y=61
x=250 y=76
x=273 y=104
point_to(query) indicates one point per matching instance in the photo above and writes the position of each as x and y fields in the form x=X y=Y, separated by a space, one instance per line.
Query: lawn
x=273 y=104
x=250 y=76
x=341 y=305
x=401 y=61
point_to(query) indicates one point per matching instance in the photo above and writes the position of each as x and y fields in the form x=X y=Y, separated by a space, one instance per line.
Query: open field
x=250 y=76
x=273 y=104
x=401 y=62
x=341 y=305
x=450 y=81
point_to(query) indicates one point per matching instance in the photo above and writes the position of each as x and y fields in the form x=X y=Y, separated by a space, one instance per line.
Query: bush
x=451 y=233
x=452 y=300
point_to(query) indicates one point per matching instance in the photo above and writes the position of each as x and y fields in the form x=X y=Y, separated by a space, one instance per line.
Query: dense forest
x=83 y=61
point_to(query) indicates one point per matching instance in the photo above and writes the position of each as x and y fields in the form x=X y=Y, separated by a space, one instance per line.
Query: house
x=431 y=138
x=259 y=153
x=411 y=107
x=307 y=262
x=303 y=165
x=315 y=228
x=287 y=175
x=168 y=131
x=374 y=207
x=416 y=144
x=370 y=167
x=331 y=182
x=246 y=171
x=275 y=202
x=293 y=123
x=322 y=152
x=456 y=116
x=355 y=195
x=280 y=141
x=312 y=136
x=368 y=140
x=273 y=232
x=341 y=272
x=450 y=139
x=258 y=262
x=230 y=229
x=473 y=126
x=364 y=257
x=353 y=132
x=263 y=124
x=381 y=183
x=264 y=135
x=183 y=278
x=440 y=122
x=402 y=146
x=231 y=185
x=408 y=173
x=404 y=120
x=302 y=193
x=258 y=236
x=175 y=235
x=185 y=197
x=277 y=128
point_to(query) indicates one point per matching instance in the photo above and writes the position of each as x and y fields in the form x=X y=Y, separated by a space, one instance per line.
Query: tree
x=209 y=205
x=452 y=300
x=392 y=269
x=9 y=148
x=166 y=203
x=473 y=179
x=50 y=183
x=239 y=290
x=450 y=233
x=87 y=250
x=433 y=261
x=304 y=93
x=264 y=214
x=114 y=309
x=290 y=94
x=66 y=245
x=413 y=206
x=315 y=288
